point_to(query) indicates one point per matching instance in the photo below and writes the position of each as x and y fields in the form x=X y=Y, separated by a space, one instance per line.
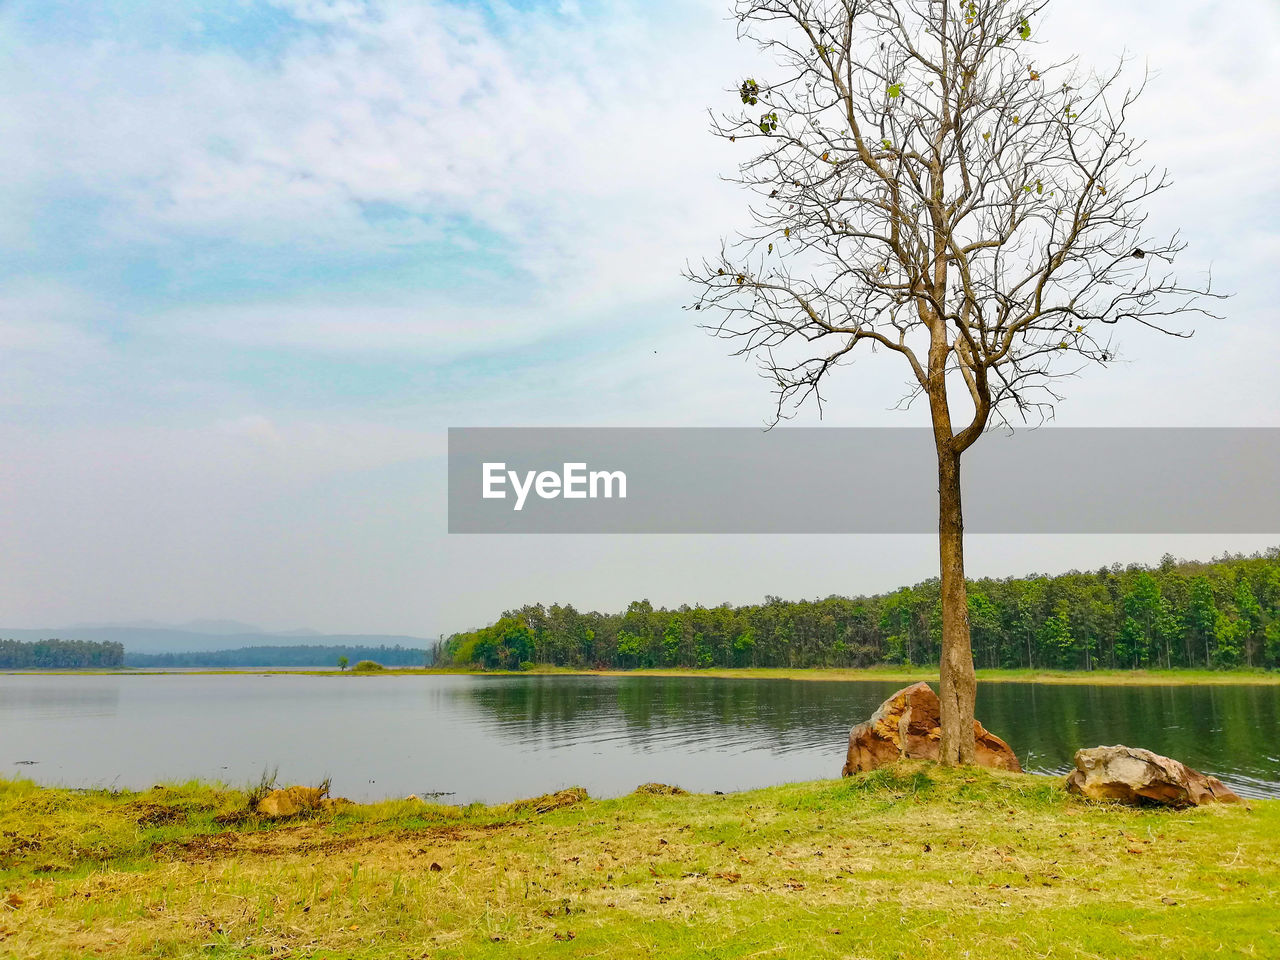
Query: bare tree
x=925 y=186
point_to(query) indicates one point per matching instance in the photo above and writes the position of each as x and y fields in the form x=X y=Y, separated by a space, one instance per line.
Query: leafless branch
x=926 y=186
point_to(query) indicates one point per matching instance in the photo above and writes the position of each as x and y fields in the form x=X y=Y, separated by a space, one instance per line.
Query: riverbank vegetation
x=1179 y=614
x=910 y=860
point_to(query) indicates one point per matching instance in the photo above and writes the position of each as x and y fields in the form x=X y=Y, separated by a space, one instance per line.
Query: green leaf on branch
x=895 y=91
x=1024 y=30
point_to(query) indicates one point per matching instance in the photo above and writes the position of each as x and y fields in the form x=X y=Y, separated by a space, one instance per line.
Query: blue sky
x=255 y=258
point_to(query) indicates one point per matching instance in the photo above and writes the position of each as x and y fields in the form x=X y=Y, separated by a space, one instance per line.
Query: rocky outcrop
x=1136 y=776
x=907 y=726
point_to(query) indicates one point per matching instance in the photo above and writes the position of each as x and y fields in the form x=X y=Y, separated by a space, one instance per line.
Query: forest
x=59 y=654
x=282 y=656
x=1221 y=613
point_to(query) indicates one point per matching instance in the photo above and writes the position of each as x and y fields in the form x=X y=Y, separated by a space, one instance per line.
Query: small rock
x=1135 y=776
x=907 y=725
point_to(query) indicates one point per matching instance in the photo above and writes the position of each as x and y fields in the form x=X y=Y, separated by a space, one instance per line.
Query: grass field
x=909 y=861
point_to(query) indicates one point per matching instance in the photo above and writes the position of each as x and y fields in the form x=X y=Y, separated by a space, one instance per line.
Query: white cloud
x=521 y=125
x=577 y=145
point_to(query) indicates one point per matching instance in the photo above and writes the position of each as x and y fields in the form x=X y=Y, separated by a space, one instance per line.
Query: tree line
x=1217 y=614
x=311 y=655
x=59 y=654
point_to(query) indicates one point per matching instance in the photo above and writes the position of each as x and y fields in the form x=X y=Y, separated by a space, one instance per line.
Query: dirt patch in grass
x=155 y=814
x=548 y=802
x=305 y=841
x=660 y=790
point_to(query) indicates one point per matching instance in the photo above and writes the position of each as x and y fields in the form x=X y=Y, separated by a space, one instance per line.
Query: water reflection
x=1231 y=731
x=497 y=738
x=50 y=702
x=654 y=712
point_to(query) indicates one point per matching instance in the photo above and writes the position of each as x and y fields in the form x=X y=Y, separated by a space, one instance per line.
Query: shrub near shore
x=910 y=860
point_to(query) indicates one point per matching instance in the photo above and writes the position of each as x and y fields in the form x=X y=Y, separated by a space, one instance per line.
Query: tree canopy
x=1224 y=613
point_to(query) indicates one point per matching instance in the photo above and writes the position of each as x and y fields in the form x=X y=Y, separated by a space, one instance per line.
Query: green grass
x=911 y=861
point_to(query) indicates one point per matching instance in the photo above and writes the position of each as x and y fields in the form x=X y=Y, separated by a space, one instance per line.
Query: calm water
x=499 y=738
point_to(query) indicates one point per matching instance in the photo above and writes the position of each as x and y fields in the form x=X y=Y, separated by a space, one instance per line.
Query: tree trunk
x=959 y=686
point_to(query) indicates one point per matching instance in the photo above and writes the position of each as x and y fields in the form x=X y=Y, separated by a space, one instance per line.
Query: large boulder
x=1136 y=776
x=907 y=725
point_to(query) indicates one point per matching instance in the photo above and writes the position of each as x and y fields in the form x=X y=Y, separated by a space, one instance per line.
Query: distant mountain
x=159 y=639
x=217 y=628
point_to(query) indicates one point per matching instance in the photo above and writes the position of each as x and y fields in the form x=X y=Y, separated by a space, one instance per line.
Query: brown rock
x=907 y=725
x=1136 y=776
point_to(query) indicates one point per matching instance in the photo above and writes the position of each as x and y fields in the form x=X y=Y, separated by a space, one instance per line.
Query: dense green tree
x=1250 y=624
x=1201 y=621
x=1184 y=613
x=59 y=655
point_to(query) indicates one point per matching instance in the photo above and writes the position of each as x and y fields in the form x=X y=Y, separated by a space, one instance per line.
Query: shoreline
x=1175 y=677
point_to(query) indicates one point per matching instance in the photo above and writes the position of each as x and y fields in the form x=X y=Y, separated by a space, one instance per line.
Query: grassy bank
x=908 y=861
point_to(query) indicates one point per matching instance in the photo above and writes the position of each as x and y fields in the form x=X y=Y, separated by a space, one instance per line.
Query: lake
x=500 y=738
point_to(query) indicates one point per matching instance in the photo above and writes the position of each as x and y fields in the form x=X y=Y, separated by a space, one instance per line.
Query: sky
x=256 y=256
